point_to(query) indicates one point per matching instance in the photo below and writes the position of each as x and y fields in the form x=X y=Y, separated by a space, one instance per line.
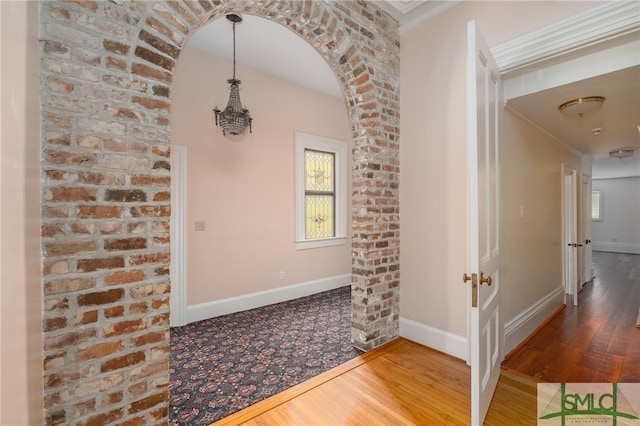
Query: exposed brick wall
x=106 y=73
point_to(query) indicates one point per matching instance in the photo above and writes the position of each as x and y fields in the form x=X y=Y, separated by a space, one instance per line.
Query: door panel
x=587 y=255
x=570 y=232
x=486 y=328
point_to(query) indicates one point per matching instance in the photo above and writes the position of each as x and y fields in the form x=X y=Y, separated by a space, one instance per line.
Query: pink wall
x=242 y=187
x=21 y=383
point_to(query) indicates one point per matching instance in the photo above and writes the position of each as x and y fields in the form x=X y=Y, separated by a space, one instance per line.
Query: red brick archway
x=106 y=75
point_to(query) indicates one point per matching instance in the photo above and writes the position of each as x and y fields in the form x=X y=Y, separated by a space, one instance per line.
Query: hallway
x=597 y=341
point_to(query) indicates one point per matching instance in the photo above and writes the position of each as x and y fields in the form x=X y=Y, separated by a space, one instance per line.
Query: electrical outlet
x=282 y=275
x=200 y=226
x=521 y=212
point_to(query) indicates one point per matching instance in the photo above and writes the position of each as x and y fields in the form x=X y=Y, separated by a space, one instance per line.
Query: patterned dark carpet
x=221 y=365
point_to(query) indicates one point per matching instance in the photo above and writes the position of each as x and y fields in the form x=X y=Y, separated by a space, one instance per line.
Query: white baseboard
x=617 y=247
x=516 y=330
x=217 y=308
x=441 y=340
x=521 y=327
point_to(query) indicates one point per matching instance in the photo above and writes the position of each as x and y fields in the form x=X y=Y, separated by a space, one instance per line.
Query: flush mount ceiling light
x=234 y=119
x=621 y=153
x=580 y=106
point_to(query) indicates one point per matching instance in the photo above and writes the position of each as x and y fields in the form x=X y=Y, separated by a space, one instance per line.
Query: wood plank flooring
x=597 y=341
x=401 y=383
x=404 y=383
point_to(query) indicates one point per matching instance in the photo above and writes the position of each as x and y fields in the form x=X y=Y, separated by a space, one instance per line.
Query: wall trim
x=617 y=247
x=522 y=325
x=231 y=305
x=410 y=19
x=178 y=268
x=515 y=331
x=602 y=23
x=443 y=341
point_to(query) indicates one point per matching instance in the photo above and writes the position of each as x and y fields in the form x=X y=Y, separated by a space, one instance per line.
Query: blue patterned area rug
x=221 y=365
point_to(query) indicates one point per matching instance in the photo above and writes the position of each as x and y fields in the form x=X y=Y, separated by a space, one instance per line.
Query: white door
x=486 y=328
x=570 y=233
x=587 y=255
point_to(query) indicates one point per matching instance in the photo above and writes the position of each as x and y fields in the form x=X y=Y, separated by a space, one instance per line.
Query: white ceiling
x=619 y=118
x=272 y=48
x=264 y=45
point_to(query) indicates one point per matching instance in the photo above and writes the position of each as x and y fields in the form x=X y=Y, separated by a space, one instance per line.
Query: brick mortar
x=106 y=70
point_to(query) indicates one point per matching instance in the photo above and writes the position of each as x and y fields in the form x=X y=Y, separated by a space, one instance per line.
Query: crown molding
x=397 y=8
x=425 y=11
x=411 y=13
x=610 y=21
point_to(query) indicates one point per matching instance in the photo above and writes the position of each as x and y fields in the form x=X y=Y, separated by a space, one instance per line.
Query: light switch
x=200 y=226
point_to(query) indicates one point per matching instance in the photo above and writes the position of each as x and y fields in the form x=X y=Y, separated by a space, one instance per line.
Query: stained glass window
x=321 y=188
x=320 y=194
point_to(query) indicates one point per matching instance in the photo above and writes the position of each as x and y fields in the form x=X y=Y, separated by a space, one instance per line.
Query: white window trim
x=599 y=219
x=339 y=149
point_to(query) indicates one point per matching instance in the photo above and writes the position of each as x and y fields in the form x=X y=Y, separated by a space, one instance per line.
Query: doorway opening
x=250 y=304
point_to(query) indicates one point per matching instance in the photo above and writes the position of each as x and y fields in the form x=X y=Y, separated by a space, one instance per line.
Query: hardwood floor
x=404 y=383
x=597 y=341
x=401 y=383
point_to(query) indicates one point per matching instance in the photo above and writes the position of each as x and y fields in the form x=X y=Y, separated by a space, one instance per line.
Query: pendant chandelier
x=234 y=119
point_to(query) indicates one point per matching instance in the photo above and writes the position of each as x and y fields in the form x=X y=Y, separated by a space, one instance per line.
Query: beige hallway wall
x=20 y=298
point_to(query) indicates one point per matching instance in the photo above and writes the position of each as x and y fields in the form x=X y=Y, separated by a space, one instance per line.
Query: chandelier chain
x=234 y=50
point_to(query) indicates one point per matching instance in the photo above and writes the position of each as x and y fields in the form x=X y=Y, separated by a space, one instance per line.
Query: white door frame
x=585 y=230
x=605 y=36
x=178 y=295
x=569 y=233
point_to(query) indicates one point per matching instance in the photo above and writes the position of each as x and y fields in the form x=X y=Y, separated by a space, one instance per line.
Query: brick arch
x=106 y=73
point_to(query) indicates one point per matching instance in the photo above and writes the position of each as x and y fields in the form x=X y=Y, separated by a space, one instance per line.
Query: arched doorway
x=240 y=189
x=106 y=73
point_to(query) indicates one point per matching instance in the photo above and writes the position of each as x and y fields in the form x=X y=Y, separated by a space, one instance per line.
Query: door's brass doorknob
x=465 y=277
x=486 y=280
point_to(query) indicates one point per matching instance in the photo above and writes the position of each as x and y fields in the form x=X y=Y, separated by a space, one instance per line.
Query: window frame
x=600 y=209
x=304 y=141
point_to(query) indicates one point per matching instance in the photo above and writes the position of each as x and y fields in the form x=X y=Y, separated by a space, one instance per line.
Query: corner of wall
x=519 y=328
x=443 y=341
